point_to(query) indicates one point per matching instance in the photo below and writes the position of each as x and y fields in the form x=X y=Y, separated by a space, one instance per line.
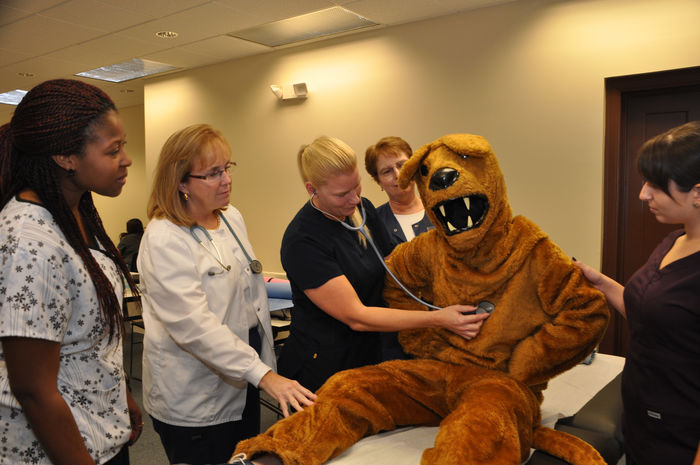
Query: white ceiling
x=57 y=38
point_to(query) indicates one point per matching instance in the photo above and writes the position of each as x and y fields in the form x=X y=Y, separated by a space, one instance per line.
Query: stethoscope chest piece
x=256 y=267
x=485 y=307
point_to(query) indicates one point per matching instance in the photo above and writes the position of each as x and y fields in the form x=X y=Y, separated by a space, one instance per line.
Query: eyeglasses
x=214 y=175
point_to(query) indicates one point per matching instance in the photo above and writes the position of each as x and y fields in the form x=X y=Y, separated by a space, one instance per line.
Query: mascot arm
x=407 y=264
x=576 y=315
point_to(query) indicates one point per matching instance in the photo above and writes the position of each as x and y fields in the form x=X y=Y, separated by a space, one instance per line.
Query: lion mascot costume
x=485 y=393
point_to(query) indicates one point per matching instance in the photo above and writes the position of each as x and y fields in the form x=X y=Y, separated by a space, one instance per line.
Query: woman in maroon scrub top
x=661 y=302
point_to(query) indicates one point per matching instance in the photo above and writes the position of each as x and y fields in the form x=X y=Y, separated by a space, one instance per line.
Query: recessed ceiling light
x=309 y=26
x=13 y=97
x=132 y=69
x=166 y=34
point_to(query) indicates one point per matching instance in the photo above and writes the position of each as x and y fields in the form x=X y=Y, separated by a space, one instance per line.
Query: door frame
x=614 y=340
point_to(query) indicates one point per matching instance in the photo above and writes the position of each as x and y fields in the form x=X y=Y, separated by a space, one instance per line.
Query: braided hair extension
x=8 y=182
x=59 y=117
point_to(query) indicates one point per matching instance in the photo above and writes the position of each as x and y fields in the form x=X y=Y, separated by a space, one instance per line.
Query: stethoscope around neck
x=255 y=265
x=484 y=306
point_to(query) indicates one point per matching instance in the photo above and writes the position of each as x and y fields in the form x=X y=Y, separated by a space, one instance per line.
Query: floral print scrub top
x=46 y=293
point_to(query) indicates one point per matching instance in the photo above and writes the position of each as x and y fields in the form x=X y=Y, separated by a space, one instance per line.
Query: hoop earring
x=186 y=196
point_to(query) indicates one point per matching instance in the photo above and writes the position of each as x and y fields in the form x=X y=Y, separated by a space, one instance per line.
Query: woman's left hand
x=287 y=392
x=135 y=418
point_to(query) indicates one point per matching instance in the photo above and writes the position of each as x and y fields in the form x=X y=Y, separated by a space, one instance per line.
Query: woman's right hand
x=614 y=291
x=461 y=320
x=287 y=392
x=595 y=277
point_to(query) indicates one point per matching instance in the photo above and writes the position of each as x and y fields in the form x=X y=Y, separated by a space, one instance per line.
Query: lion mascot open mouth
x=485 y=393
x=462 y=188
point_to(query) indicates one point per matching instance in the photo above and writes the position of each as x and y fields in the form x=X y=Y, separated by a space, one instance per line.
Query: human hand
x=135 y=418
x=595 y=277
x=287 y=392
x=461 y=320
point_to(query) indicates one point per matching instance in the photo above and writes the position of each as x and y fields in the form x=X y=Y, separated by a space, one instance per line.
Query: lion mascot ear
x=409 y=170
x=462 y=144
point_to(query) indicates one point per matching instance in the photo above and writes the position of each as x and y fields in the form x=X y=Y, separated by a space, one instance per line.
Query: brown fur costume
x=485 y=393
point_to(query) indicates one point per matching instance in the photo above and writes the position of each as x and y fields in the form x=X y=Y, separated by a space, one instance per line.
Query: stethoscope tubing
x=483 y=307
x=217 y=257
x=361 y=228
x=255 y=265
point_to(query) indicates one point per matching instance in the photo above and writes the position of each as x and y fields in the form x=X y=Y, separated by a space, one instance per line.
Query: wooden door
x=646 y=114
x=637 y=108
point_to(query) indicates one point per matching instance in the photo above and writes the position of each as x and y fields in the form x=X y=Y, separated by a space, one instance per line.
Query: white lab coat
x=197 y=362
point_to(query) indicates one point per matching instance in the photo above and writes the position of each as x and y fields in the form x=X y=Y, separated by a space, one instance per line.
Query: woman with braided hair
x=63 y=394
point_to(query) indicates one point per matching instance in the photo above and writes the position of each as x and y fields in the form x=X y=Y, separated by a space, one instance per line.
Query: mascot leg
x=491 y=422
x=353 y=404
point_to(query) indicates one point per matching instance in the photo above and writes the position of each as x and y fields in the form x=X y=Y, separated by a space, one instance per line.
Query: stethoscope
x=255 y=265
x=484 y=306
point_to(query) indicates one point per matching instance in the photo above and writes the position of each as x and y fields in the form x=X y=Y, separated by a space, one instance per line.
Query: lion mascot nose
x=443 y=178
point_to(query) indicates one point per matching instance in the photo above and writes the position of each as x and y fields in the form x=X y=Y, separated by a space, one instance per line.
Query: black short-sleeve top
x=316 y=249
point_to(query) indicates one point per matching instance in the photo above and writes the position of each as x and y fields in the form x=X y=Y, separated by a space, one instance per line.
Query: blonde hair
x=324 y=158
x=177 y=157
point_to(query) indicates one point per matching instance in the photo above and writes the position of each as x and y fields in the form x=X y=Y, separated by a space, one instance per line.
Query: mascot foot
x=240 y=459
x=566 y=446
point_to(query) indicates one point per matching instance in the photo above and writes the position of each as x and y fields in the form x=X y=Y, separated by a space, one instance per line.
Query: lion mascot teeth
x=485 y=393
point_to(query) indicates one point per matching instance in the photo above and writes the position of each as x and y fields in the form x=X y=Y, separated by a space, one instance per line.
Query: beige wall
x=116 y=211
x=526 y=75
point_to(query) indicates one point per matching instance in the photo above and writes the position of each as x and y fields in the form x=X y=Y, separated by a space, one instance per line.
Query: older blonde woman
x=208 y=342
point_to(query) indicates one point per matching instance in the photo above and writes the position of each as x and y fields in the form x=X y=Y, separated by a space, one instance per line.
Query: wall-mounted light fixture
x=290 y=91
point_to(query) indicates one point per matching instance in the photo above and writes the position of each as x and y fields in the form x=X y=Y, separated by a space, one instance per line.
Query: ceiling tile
x=117 y=48
x=392 y=12
x=225 y=48
x=155 y=9
x=31 y=6
x=266 y=11
x=41 y=67
x=201 y=22
x=124 y=94
x=46 y=35
x=181 y=58
x=8 y=57
x=102 y=17
x=9 y=14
